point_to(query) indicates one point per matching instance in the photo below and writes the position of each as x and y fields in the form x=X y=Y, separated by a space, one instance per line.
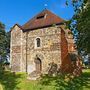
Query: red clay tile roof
x=43 y=19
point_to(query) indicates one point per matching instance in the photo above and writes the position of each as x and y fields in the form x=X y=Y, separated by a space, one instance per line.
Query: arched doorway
x=38 y=65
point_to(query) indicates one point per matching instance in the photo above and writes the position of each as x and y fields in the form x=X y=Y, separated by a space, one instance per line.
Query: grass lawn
x=10 y=81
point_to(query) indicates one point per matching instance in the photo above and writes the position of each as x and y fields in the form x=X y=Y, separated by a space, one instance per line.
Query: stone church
x=39 y=42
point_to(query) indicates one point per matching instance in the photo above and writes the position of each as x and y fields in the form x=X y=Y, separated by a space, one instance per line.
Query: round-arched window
x=38 y=42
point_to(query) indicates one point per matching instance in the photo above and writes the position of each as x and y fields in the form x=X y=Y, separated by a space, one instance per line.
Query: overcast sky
x=20 y=11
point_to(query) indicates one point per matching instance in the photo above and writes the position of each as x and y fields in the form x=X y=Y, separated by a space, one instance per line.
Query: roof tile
x=43 y=19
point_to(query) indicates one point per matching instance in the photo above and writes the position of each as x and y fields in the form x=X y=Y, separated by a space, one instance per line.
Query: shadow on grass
x=9 y=80
x=78 y=83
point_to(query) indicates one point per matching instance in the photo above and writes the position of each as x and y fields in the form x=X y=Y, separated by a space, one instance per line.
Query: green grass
x=11 y=81
x=86 y=79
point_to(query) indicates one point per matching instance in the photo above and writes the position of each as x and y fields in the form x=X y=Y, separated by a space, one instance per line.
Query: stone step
x=34 y=75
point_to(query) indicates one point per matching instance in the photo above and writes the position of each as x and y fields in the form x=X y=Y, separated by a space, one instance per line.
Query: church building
x=41 y=41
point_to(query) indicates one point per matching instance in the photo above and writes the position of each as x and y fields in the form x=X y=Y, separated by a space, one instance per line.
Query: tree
x=80 y=24
x=83 y=24
x=4 y=43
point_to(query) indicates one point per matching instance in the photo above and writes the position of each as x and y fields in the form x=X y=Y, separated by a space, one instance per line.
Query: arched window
x=38 y=42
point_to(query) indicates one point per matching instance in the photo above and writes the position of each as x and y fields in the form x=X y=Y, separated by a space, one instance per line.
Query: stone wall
x=50 y=50
x=16 y=49
x=24 y=53
x=55 y=47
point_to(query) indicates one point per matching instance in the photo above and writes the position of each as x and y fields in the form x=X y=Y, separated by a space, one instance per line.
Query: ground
x=12 y=81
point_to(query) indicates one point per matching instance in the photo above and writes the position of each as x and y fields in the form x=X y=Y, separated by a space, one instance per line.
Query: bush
x=2 y=68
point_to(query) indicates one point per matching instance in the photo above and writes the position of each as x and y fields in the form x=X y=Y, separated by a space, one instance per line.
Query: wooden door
x=38 y=65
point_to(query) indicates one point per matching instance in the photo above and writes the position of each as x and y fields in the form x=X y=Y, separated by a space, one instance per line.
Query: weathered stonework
x=23 y=47
x=56 y=43
x=49 y=50
x=16 y=49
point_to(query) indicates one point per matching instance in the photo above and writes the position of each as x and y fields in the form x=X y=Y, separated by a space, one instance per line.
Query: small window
x=38 y=42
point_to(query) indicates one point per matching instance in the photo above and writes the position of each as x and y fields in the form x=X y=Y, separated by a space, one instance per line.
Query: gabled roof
x=43 y=19
x=16 y=25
